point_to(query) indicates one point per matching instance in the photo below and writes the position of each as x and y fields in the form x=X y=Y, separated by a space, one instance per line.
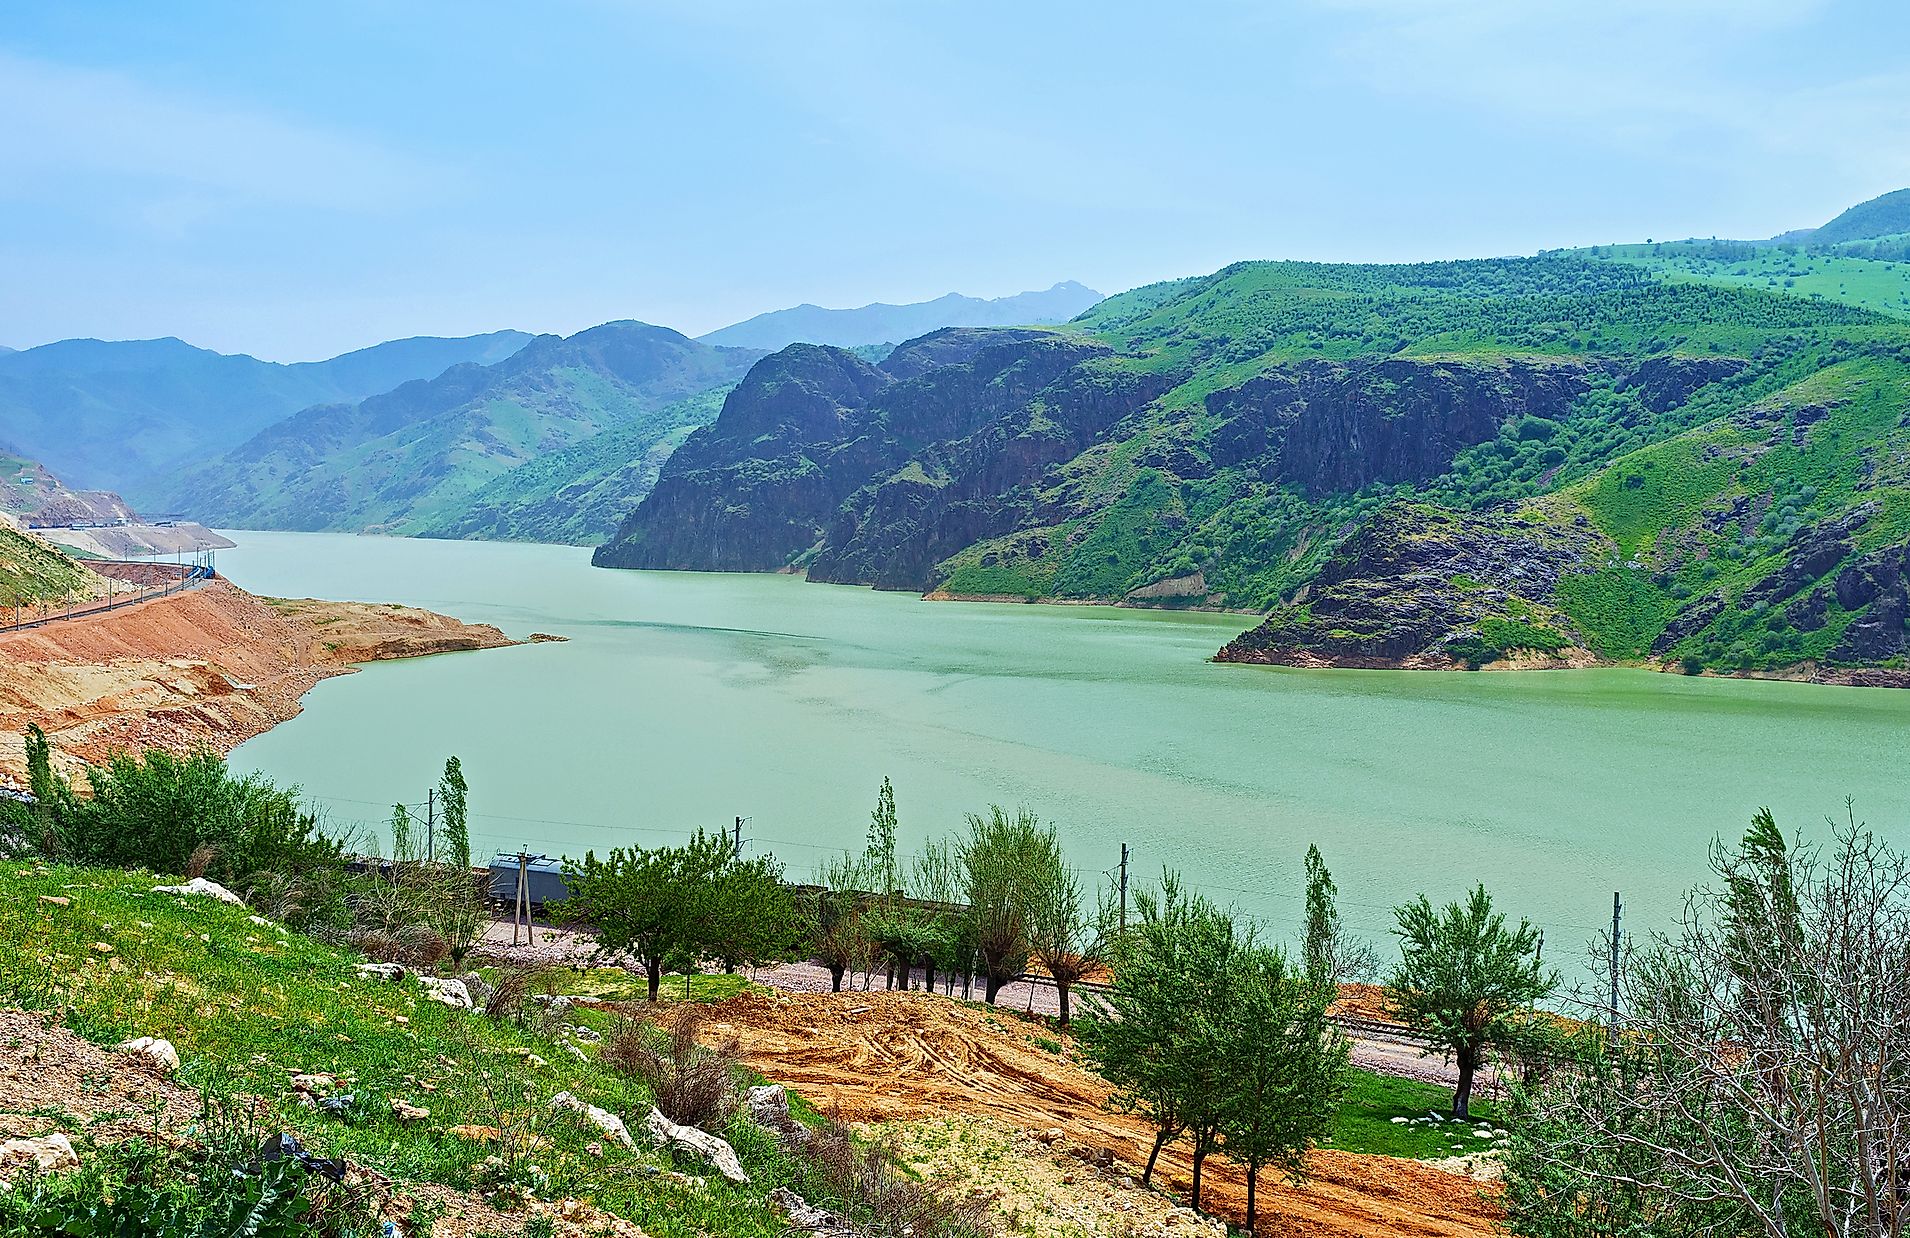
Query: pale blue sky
x=294 y=180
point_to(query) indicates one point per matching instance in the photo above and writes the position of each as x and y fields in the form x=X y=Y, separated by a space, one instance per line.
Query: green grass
x=248 y=1006
x=1365 y=1123
x=1820 y=273
x=32 y=572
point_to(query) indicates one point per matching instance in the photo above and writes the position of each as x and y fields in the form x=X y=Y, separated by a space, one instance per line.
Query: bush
x=878 y=1199
x=694 y=1083
x=187 y=815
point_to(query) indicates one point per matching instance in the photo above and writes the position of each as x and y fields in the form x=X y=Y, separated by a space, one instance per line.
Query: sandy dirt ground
x=212 y=666
x=895 y=1057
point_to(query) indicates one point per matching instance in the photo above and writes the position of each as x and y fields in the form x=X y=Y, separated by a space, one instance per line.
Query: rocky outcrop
x=1412 y=586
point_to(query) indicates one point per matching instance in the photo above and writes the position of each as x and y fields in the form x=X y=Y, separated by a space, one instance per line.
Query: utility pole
x=522 y=903
x=431 y=825
x=1124 y=887
x=736 y=847
x=1617 y=909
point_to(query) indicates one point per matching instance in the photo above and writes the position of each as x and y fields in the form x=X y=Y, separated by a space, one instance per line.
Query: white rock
x=716 y=1151
x=1398 y=1121
x=380 y=971
x=451 y=993
x=605 y=1121
x=202 y=888
x=49 y=1154
x=159 y=1052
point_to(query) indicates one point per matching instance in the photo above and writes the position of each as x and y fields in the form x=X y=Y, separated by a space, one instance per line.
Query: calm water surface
x=684 y=699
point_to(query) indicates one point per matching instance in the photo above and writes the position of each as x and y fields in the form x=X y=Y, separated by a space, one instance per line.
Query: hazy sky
x=294 y=180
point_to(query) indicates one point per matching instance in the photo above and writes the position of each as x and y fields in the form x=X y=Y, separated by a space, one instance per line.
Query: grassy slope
x=1877 y=285
x=580 y=494
x=248 y=1006
x=32 y=572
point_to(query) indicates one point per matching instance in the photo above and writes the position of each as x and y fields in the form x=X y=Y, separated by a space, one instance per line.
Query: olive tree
x=1466 y=980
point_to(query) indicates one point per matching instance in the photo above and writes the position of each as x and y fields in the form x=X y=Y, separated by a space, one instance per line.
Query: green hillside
x=32 y=572
x=1883 y=216
x=416 y=459
x=580 y=494
x=122 y=413
x=1835 y=274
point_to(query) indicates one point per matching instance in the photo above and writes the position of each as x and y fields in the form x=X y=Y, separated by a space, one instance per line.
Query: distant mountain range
x=415 y=459
x=891 y=324
x=115 y=414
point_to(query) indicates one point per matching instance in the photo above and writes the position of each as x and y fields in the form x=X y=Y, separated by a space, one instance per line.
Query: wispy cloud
x=176 y=160
x=1707 y=81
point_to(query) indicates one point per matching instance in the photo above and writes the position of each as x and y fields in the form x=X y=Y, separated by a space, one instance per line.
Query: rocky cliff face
x=812 y=427
x=1328 y=427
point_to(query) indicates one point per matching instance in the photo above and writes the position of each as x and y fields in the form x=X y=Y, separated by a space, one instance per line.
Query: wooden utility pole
x=521 y=905
x=736 y=849
x=1617 y=908
x=431 y=825
x=1124 y=887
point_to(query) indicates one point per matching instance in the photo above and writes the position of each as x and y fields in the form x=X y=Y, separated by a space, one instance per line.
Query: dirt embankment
x=894 y=1057
x=213 y=666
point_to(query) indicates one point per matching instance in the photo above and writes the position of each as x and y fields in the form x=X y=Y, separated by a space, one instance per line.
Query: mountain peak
x=882 y=323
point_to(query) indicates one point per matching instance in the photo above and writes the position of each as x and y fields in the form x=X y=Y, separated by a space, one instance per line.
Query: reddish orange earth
x=887 y=1057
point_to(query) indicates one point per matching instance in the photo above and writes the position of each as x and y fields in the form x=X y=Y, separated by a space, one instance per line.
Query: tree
x=1331 y=954
x=1066 y=933
x=998 y=857
x=457 y=835
x=648 y=902
x=1465 y=980
x=836 y=914
x=1288 y=1067
x=748 y=914
x=1758 y=1081
x=882 y=835
x=1158 y=1038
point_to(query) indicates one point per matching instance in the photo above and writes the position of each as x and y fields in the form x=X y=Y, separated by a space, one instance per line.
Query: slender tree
x=457 y=836
x=1288 y=1068
x=1067 y=934
x=836 y=912
x=1330 y=953
x=1466 y=980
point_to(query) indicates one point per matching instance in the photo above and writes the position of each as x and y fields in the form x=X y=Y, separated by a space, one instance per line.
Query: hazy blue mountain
x=116 y=414
x=416 y=458
x=891 y=324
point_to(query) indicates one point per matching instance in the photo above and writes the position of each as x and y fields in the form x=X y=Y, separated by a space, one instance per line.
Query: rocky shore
x=211 y=667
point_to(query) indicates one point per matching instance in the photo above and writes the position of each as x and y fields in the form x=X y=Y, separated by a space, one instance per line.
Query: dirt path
x=881 y=1057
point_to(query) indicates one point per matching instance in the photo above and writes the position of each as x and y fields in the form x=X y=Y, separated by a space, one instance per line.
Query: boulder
x=806 y=1217
x=609 y=1123
x=156 y=1051
x=48 y=1154
x=716 y=1151
x=380 y=971
x=405 y=1111
x=199 y=887
x=769 y=1108
x=451 y=993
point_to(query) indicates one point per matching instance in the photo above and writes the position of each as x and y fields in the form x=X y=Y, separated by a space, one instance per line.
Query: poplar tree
x=457 y=836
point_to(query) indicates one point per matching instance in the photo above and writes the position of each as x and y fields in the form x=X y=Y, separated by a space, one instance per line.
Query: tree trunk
x=835 y=977
x=1160 y=1141
x=1200 y=1159
x=991 y=985
x=1468 y=1059
x=1253 y=1182
x=653 y=971
x=1061 y=989
x=928 y=975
